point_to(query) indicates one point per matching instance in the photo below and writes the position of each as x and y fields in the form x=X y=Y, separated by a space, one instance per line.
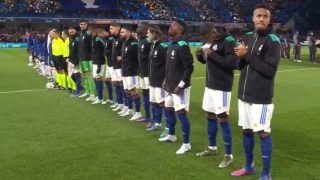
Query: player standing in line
x=143 y=58
x=30 y=47
x=116 y=59
x=109 y=71
x=99 y=63
x=179 y=67
x=259 y=58
x=129 y=58
x=85 y=64
x=73 y=60
x=218 y=54
x=157 y=61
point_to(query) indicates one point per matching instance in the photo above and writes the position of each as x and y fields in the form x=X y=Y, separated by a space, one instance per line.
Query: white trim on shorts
x=144 y=82
x=255 y=116
x=130 y=82
x=95 y=73
x=117 y=75
x=216 y=101
x=109 y=73
x=156 y=94
x=178 y=102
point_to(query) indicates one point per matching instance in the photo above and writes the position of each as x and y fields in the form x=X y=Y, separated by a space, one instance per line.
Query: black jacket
x=259 y=67
x=129 y=57
x=85 y=46
x=179 y=65
x=99 y=48
x=116 y=51
x=108 y=51
x=157 y=61
x=220 y=64
x=73 y=47
x=143 y=56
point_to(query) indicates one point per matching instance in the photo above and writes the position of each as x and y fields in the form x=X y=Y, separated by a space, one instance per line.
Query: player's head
x=64 y=34
x=93 y=30
x=102 y=33
x=115 y=29
x=55 y=34
x=72 y=31
x=83 y=24
x=126 y=32
x=177 y=27
x=261 y=17
x=154 y=33
x=142 y=29
x=209 y=32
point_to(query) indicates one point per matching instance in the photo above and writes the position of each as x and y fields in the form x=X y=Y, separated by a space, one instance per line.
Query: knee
x=211 y=115
x=247 y=131
x=223 y=117
x=263 y=134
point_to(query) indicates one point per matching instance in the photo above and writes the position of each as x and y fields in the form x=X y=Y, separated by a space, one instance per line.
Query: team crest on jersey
x=155 y=54
x=116 y=43
x=142 y=47
x=260 y=49
x=83 y=38
x=172 y=54
x=215 y=47
x=126 y=50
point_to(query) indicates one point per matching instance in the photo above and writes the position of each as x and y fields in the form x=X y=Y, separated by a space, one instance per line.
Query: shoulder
x=274 y=38
x=164 y=45
x=182 y=43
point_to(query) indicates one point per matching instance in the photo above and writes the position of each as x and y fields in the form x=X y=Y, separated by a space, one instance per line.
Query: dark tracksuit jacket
x=220 y=64
x=108 y=51
x=157 y=62
x=259 y=67
x=129 y=56
x=98 y=51
x=74 y=48
x=143 y=56
x=179 y=65
x=116 y=51
x=85 y=41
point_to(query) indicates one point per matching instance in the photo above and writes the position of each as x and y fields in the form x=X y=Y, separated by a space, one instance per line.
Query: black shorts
x=58 y=62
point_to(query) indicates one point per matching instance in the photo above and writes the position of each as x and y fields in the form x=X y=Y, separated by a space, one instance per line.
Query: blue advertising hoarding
x=88 y=4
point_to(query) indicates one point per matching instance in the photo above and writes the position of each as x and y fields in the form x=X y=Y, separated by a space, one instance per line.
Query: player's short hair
x=65 y=32
x=114 y=24
x=71 y=27
x=84 y=20
x=155 y=29
x=207 y=28
x=100 y=30
x=263 y=6
x=128 y=28
x=182 y=23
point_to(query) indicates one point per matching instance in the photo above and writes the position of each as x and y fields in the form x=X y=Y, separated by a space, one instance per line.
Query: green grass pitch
x=46 y=134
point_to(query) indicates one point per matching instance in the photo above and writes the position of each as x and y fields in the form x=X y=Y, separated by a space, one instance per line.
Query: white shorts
x=130 y=82
x=144 y=82
x=255 y=116
x=70 y=69
x=109 y=73
x=98 y=70
x=216 y=101
x=156 y=94
x=178 y=102
x=117 y=75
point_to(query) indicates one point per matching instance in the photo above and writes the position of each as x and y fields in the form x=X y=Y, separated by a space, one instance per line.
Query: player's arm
x=229 y=60
x=269 y=64
x=187 y=62
x=200 y=56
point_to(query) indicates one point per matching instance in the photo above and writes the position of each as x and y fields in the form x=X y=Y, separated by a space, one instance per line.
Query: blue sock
x=227 y=137
x=124 y=97
x=130 y=102
x=171 y=120
x=185 y=126
x=120 y=95
x=248 y=145
x=212 y=131
x=137 y=103
x=100 y=89
x=146 y=104
x=78 y=82
x=266 y=152
x=109 y=88
x=158 y=114
x=96 y=83
x=153 y=112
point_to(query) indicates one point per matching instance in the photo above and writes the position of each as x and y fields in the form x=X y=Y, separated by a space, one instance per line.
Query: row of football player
x=168 y=82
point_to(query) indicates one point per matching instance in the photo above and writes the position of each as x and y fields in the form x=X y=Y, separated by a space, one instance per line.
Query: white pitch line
x=21 y=91
x=288 y=70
